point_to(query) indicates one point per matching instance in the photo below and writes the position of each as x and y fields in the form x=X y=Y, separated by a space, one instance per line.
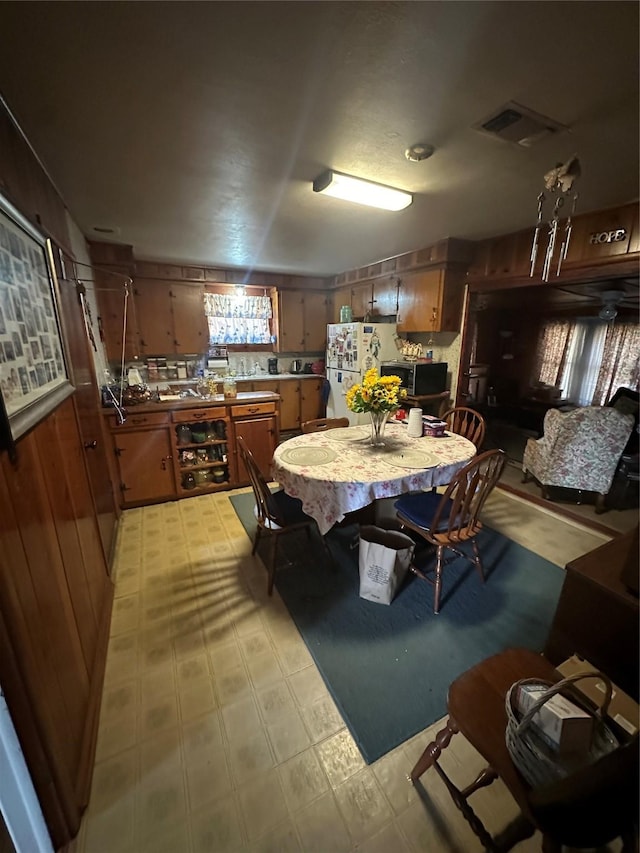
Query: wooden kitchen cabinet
x=340 y=297
x=144 y=457
x=431 y=301
x=190 y=328
x=289 y=390
x=202 y=461
x=170 y=317
x=257 y=423
x=311 y=406
x=153 y=315
x=300 y=399
x=315 y=318
x=375 y=298
x=110 y=296
x=302 y=321
x=361 y=297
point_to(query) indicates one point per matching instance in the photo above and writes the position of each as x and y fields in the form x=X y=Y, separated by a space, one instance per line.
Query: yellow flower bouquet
x=378 y=395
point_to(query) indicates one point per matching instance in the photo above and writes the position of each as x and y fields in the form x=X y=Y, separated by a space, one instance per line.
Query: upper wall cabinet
x=170 y=317
x=375 y=298
x=430 y=301
x=110 y=295
x=302 y=320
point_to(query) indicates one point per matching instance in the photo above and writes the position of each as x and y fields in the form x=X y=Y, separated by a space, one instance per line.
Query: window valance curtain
x=235 y=319
x=243 y=307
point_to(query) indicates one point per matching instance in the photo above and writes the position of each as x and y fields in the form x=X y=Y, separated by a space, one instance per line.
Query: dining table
x=339 y=471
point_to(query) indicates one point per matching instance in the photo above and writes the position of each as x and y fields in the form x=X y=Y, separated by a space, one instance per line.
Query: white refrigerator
x=353 y=348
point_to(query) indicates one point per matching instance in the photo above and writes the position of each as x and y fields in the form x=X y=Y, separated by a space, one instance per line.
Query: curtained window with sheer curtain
x=588 y=359
x=238 y=318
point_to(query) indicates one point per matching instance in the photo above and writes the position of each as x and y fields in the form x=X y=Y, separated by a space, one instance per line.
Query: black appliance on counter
x=419 y=378
x=272 y=366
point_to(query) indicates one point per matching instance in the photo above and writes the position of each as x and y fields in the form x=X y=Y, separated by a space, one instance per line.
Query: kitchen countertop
x=242 y=397
x=264 y=377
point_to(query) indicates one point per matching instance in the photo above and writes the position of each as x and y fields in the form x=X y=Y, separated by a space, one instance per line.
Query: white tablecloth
x=338 y=471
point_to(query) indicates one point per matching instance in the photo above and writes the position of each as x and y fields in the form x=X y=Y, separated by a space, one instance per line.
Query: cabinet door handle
x=253 y=409
x=197 y=416
x=90 y=445
x=138 y=420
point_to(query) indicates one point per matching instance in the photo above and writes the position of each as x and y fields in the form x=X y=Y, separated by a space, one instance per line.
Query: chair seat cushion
x=420 y=508
x=289 y=509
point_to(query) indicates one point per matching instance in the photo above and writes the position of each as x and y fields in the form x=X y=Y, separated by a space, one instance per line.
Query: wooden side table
x=597 y=614
x=431 y=404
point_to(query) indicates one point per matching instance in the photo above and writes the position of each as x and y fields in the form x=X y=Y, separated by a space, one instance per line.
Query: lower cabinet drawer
x=253 y=409
x=135 y=421
x=191 y=415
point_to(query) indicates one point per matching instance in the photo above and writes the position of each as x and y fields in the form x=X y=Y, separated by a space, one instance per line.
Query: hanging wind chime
x=559 y=183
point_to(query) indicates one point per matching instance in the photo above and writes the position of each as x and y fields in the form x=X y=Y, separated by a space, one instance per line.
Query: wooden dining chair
x=322 y=424
x=276 y=513
x=447 y=520
x=587 y=809
x=467 y=423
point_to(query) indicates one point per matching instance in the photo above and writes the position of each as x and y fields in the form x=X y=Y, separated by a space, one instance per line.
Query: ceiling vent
x=519 y=125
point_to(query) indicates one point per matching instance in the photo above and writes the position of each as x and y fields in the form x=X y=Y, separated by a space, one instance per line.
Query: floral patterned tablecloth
x=338 y=471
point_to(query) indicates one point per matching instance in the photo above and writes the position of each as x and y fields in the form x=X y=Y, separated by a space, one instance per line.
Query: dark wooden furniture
x=447 y=520
x=597 y=614
x=276 y=512
x=322 y=424
x=590 y=809
x=530 y=412
x=431 y=404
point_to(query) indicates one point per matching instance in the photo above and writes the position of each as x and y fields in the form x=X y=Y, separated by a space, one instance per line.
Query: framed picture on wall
x=34 y=377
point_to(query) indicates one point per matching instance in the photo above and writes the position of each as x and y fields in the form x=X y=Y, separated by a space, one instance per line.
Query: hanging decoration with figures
x=559 y=183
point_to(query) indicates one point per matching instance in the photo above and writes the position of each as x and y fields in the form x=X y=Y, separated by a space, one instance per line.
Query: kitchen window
x=239 y=318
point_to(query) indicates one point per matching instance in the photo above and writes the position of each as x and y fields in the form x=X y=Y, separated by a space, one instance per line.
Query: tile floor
x=218 y=734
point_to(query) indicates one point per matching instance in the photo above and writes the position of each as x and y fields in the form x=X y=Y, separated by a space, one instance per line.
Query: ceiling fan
x=610 y=301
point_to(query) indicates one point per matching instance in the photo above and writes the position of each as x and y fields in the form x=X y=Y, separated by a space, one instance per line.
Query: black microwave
x=418 y=377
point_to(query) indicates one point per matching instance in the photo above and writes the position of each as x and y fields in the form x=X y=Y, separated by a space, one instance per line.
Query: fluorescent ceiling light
x=362 y=192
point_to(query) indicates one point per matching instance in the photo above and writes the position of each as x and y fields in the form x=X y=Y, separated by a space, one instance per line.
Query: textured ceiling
x=196 y=129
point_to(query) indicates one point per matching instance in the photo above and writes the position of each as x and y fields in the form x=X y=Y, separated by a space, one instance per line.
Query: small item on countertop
x=181 y=367
x=346 y=314
x=229 y=387
x=133 y=394
x=317 y=367
x=401 y=415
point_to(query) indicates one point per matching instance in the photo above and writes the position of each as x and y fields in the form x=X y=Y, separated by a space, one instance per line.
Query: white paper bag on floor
x=385 y=557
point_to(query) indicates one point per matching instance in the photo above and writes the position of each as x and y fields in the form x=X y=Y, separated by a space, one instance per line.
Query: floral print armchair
x=579 y=450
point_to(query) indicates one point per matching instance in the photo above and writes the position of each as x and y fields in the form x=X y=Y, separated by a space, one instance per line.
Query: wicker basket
x=537 y=762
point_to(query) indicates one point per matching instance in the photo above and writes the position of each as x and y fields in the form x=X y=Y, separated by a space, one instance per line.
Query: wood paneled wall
x=55 y=592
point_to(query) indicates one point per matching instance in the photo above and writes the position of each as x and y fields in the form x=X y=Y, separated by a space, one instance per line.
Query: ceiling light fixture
x=419 y=151
x=610 y=301
x=360 y=191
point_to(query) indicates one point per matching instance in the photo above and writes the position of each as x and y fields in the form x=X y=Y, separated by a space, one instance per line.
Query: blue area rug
x=388 y=667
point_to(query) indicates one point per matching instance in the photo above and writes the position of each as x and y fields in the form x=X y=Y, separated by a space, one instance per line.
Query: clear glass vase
x=378 y=423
